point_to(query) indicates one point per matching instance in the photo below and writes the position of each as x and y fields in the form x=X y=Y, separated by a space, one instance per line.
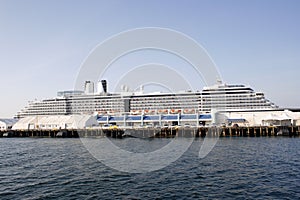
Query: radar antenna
x=219 y=81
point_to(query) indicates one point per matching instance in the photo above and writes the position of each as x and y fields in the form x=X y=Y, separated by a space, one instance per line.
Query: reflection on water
x=236 y=168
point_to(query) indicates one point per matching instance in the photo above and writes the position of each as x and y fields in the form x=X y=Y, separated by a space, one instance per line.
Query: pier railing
x=154 y=132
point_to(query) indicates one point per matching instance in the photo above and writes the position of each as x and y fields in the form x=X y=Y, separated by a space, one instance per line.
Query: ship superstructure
x=220 y=97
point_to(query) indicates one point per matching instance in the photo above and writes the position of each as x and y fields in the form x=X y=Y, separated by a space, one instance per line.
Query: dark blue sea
x=236 y=168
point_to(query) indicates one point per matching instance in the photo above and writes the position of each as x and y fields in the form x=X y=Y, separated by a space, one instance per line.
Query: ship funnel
x=104 y=85
x=99 y=87
x=89 y=87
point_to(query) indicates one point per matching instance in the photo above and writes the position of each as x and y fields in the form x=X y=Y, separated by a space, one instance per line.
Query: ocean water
x=239 y=168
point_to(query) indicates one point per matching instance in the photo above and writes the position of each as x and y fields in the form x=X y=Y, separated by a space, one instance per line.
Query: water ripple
x=252 y=168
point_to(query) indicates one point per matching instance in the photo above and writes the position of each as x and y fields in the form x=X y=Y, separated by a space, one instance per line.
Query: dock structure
x=163 y=126
x=155 y=132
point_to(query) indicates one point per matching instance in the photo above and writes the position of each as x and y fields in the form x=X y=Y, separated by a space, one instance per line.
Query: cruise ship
x=139 y=106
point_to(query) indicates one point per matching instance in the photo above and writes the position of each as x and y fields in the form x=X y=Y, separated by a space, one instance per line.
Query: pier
x=165 y=132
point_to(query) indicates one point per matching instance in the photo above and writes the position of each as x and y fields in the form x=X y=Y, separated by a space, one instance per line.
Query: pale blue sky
x=43 y=43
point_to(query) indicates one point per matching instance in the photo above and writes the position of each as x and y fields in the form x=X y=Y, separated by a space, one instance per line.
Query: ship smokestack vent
x=104 y=85
x=89 y=87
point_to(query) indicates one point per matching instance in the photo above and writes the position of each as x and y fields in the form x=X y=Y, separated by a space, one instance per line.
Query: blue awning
x=188 y=117
x=204 y=116
x=121 y=118
x=134 y=118
x=170 y=117
x=151 y=117
x=156 y=118
x=102 y=118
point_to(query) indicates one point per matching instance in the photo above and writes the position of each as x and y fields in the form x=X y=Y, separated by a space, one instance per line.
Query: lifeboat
x=188 y=111
x=175 y=111
x=162 y=111
x=132 y=112
x=149 y=111
x=102 y=112
x=135 y=112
